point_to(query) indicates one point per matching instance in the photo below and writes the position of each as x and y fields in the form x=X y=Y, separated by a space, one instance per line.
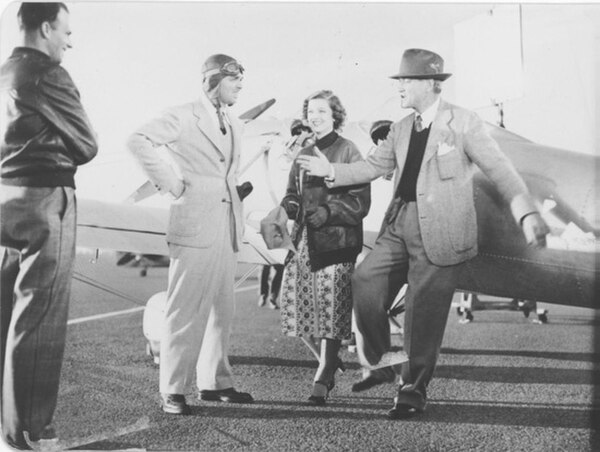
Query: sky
x=131 y=60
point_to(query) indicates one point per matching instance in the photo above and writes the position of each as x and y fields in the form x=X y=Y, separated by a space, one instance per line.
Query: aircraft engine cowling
x=152 y=324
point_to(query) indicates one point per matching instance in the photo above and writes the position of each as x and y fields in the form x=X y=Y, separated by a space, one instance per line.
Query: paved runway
x=502 y=384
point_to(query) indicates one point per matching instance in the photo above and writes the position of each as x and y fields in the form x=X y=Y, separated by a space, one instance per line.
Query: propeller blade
x=144 y=191
x=255 y=112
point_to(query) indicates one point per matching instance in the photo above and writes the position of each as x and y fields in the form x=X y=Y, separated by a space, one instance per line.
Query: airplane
x=563 y=184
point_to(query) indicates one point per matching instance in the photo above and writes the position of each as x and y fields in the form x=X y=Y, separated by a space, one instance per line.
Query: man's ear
x=45 y=29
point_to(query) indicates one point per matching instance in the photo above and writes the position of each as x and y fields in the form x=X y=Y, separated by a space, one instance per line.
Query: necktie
x=418 y=123
x=221 y=121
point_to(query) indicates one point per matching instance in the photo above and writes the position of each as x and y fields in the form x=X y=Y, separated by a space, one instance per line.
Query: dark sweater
x=407 y=188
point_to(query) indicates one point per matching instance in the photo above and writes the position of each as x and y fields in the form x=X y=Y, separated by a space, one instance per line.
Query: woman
x=316 y=299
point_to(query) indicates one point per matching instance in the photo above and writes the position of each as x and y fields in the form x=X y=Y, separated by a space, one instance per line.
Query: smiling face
x=416 y=94
x=320 y=117
x=229 y=89
x=58 y=36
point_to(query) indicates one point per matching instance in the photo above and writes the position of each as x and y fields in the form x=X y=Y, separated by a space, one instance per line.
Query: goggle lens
x=232 y=68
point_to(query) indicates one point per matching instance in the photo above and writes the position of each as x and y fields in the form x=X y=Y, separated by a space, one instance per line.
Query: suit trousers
x=398 y=257
x=38 y=237
x=199 y=314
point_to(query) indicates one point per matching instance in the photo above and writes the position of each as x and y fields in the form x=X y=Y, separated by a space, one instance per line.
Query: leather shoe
x=402 y=411
x=374 y=378
x=273 y=303
x=174 y=404
x=228 y=395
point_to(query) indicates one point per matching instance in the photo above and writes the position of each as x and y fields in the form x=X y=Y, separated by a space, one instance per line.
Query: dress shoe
x=402 y=411
x=228 y=395
x=174 y=404
x=319 y=394
x=375 y=377
x=273 y=303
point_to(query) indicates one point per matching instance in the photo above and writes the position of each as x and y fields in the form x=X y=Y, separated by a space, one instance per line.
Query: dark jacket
x=46 y=132
x=340 y=239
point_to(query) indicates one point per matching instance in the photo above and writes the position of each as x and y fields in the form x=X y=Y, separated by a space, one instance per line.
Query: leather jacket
x=340 y=238
x=45 y=132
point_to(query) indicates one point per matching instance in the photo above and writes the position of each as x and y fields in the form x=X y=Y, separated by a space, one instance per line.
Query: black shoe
x=376 y=377
x=319 y=394
x=273 y=303
x=174 y=404
x=228 y=395
x=402 y=411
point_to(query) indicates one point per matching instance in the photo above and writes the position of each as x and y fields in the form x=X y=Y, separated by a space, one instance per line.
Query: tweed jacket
x=457 y=141
x=193 y=144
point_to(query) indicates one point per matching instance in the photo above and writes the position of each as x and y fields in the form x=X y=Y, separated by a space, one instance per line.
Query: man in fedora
x=429 y=229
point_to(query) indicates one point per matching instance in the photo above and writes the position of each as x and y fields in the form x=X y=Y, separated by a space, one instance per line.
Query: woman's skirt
x=317 y=304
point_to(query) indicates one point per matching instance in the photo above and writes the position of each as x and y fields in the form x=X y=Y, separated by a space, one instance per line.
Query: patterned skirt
x=317 y=304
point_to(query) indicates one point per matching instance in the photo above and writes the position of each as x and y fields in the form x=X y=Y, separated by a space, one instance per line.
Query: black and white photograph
x=299 y=226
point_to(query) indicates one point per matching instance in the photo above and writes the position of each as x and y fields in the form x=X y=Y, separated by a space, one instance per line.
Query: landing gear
x=469 y=303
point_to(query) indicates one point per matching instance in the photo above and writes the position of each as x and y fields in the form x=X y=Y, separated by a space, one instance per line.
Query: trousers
x=199 y=314
x=38 y=240
x=275 y=283
x=398 y=257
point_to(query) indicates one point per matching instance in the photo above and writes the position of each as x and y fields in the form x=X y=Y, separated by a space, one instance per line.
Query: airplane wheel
x=543 y=318
x=469 y=315
x=143 y=272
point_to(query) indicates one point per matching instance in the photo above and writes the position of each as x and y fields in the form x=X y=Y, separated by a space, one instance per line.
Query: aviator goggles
x=232 y=68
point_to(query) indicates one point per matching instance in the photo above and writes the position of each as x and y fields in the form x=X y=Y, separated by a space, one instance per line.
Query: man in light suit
x=430 y=227
x=205 y=230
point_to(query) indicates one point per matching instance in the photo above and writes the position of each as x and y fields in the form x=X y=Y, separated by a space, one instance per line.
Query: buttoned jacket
x=458 y=140
x=196 y=156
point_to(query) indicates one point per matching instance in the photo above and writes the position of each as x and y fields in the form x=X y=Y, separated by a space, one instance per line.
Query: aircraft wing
x=141 y=230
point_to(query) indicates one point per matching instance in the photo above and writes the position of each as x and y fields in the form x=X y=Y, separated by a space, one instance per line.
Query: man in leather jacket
x=45 y=135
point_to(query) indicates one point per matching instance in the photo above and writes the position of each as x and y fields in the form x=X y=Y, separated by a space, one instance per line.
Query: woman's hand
x=317 y=218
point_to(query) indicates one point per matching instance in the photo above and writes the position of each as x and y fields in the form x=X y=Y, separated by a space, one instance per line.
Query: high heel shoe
x=320 y=393
x=342 y=368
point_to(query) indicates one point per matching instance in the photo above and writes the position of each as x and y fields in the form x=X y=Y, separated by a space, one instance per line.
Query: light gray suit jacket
x=193 y=143
x=457 y=140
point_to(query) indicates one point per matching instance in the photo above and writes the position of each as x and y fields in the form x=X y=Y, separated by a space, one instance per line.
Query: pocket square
x=444 y=148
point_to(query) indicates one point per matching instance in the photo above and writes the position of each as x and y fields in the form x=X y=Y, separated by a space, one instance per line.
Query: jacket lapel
x=206 y=125
x=402 y=148
x=440 y=131
x=237 y=142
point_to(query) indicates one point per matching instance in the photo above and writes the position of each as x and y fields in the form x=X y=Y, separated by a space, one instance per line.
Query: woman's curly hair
x=337 y=109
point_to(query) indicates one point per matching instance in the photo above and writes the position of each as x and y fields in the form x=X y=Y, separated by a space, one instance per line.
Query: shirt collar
x=429 y=115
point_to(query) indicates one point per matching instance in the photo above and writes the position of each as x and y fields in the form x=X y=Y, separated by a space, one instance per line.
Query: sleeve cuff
x=521 y=206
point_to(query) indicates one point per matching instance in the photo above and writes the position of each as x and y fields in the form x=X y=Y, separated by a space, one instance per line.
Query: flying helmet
x=218 y=66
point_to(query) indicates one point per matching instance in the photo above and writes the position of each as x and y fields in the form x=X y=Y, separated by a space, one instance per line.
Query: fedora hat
x=421 y=64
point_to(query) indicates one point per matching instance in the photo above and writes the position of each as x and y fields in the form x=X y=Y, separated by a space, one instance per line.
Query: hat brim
x=440 y=77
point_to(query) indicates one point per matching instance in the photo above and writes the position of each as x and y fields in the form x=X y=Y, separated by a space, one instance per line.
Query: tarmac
x=502 y=383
